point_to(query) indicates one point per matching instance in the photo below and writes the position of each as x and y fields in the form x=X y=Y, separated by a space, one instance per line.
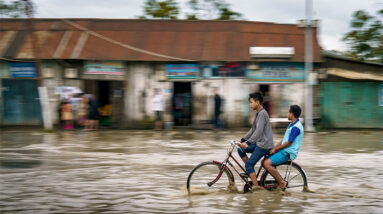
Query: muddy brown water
x=146 y=171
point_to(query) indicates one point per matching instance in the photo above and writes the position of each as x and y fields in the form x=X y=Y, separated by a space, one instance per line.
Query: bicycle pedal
x=244 y=175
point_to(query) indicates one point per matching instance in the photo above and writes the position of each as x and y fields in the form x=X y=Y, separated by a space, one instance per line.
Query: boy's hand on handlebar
x=244 y=145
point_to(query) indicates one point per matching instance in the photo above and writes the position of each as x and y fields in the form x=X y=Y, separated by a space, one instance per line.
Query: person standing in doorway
x=217 y=109
x=67 y=115
x=93 y=115
x=158 y=108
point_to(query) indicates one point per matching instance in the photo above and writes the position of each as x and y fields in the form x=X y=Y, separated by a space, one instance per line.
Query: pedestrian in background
x=67 y=115
x=93 y=115
x=82 y=113
x=158 y=108
x=217 y=110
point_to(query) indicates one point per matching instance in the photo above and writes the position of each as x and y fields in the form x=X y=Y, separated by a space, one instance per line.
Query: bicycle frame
x=227 y=164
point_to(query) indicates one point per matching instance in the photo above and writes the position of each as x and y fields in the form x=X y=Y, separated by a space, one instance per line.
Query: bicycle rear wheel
x=203 y=179
x=294 y=175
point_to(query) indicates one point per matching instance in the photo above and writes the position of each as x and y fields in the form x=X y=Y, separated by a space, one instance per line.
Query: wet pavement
x=145 y=172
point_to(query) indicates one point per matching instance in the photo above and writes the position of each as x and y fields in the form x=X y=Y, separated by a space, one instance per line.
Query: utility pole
x=308 y=68
x=43 y=91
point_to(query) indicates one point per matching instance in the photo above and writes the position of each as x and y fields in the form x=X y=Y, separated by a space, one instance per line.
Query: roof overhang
x=353 y=74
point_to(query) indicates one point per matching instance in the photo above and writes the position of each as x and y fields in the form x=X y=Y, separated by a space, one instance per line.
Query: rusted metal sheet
x=195 y=40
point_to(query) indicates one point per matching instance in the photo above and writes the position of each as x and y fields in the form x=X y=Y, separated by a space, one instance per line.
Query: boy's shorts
x=279 y=158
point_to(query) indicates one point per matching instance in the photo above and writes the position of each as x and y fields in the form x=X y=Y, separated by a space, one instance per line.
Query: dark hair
x=296 y=110
x=256 y=96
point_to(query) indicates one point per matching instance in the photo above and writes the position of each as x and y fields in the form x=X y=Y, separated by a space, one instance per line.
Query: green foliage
x=366 y=37
x=15 y=9
x=211 y=9
x=165 y=9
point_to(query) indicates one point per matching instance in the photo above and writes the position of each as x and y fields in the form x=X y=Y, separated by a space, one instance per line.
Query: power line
x=108 y=39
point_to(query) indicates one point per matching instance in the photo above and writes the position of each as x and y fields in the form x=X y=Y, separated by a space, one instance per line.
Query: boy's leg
x=275 y=160
x=242 y=152
x=257 y=154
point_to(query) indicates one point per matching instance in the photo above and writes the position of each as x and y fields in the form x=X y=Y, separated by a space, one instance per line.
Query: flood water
x=145 y=172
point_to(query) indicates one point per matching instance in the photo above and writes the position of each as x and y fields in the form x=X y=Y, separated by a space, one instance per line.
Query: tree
x=165 y=9
x=14 y=9
x=211 y=9
x=366 y=37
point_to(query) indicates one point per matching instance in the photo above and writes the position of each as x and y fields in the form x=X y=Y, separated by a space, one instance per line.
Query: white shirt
x=158 y=103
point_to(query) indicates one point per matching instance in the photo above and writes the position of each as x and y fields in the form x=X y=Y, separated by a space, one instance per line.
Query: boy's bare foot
x=284 y=186
x=256 y=188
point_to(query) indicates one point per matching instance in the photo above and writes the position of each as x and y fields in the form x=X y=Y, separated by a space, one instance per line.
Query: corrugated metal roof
x=113 y=39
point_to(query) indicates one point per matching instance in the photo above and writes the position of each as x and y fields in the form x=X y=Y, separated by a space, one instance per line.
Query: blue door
x=20 y=102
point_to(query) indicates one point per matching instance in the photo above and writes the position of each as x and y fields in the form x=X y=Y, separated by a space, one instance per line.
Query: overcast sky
x=335 y=15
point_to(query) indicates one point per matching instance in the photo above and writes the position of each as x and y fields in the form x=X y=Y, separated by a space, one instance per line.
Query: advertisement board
x=23 y=69
x=105 y=67
x=277 y=72
x=182 y=71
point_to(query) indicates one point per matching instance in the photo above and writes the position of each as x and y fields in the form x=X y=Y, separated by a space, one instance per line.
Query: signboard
x=272 y=52
x=23 y=69
x=231 y=69
x=381 y=95
x=277 y=72
x=182 y=71
x=105 y=67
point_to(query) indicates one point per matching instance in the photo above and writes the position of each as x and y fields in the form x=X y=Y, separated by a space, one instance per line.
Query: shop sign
x=105 y=67
x=23 y=69
x=182 y=71
x=231 y=69
x=277 y=72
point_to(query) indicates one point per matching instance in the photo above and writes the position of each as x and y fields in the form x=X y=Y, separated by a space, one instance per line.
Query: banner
x=277 y=72
x=23 y=69
x=105 y=67
x=231 y=69
x=182 y=71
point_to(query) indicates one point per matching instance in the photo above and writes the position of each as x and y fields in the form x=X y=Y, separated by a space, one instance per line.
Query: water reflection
x=145 y=171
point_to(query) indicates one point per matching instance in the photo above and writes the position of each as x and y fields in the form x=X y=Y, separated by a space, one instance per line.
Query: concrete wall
x=234 y=106
x=142 y=79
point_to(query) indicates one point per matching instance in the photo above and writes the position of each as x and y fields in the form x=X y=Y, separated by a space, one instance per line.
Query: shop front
x=20 y=99
x=105 y=80
x=182 y=76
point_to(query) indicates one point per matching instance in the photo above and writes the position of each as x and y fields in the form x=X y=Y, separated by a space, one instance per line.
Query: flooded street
x=145 y=172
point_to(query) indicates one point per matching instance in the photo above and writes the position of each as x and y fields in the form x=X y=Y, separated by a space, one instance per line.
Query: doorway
x=109 y=95
x=182 y=103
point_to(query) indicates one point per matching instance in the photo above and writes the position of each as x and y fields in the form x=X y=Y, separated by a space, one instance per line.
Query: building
x=123 y=61
x=351 y=93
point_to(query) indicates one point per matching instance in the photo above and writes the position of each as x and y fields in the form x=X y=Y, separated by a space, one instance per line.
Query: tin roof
x=147 y=40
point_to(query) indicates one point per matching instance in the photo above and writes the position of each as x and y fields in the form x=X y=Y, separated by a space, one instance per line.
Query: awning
x=353 y=74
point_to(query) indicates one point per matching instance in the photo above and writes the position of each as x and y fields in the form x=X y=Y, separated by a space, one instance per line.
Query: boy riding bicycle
x=288 y=147
x=259 y=139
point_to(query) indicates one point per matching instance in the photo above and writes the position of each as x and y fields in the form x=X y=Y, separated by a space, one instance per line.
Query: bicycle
x=209 y=176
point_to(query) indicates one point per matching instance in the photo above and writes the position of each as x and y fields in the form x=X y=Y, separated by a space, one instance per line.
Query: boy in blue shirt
x=289 y=146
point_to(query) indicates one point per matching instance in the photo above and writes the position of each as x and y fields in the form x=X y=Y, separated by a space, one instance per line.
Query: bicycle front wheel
x=210 y=177
x=294 y=175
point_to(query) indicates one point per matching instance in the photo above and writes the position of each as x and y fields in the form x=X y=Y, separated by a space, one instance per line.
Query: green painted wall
x=351 y=105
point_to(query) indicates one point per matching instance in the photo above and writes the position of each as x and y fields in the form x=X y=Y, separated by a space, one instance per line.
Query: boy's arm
x=261 y=123
x=247 y=135
x=279 y=147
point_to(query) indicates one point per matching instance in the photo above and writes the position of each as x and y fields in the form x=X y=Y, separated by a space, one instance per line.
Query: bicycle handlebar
x=235 y=143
